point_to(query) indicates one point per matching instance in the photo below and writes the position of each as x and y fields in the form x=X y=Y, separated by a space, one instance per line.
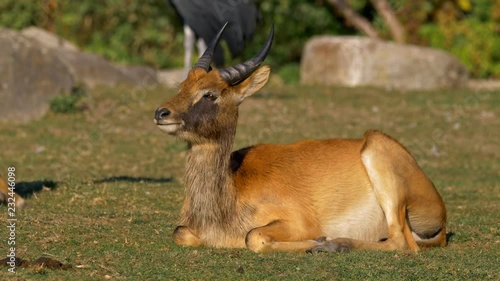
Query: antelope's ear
x=252 y=84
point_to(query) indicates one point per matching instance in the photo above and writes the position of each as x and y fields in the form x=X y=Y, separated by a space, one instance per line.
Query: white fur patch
x=364 y=222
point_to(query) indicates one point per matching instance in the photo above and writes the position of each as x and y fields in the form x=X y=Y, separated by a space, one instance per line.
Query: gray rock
x=92 y=70
x=89 y=69
x=29 y=77
x=33 y=70
x=361 y=61
x=47 y=39
x=140 y=74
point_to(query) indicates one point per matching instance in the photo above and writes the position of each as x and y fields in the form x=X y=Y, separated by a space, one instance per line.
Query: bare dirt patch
x=38 y=264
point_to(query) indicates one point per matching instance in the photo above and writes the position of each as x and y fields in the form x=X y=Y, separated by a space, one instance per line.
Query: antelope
x=5 y=195
x=311 y=196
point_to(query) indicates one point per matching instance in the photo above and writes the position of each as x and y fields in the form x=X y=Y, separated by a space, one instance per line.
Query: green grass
x=119 y=185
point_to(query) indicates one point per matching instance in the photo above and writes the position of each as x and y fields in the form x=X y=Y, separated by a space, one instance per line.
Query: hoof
x=328 y=246
x=320 y=239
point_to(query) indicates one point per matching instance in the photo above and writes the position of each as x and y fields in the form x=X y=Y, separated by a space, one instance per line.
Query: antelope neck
x=212 y=197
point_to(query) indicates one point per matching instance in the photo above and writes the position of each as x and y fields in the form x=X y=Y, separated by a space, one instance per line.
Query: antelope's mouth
x=168 y=127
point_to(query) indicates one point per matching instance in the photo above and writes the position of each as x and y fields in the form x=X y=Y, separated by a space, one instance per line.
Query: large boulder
x=48 y=39
x=36 y=65
x=361 y=61
x=89 y=69
x=29 y=77
x=142 y=75
x=92 y=70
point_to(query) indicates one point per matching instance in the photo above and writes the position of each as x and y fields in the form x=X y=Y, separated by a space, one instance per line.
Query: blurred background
x=149 y=32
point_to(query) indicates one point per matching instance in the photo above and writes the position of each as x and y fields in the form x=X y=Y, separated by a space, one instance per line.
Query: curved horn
x=205 y=60
x=236 y=74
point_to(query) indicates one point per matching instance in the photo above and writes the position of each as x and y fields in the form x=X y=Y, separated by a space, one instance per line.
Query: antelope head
x=205 y=108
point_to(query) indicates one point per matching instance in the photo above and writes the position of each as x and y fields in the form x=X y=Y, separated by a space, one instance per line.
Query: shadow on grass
x=449 y=235
x=133 y=179
x=27 y=189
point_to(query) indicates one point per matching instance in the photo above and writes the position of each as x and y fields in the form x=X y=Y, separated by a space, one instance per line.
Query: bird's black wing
x=243 y=22
x=202 y=18
x=207 y=17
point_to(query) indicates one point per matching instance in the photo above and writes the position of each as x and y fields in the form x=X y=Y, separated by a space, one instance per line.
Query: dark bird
x=203 y=19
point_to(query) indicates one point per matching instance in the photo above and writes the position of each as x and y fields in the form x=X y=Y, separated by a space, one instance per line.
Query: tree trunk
x=50 y=9
x=397 y=31
x=354 y=18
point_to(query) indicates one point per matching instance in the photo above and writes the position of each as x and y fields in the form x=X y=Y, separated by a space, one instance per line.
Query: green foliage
x=65 y=103
x=125 y=31
x=21 y=13
x=466 y=41
x=467 y=29
x=472 y=38
x=290 y=73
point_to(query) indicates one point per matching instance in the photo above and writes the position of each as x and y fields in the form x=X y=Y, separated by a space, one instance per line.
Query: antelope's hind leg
x=278 y=236
x=389 y=168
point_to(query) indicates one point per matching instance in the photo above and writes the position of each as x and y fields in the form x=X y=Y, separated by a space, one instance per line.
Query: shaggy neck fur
x=210 y=194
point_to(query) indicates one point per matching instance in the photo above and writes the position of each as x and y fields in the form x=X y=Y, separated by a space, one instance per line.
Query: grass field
x=109 y=185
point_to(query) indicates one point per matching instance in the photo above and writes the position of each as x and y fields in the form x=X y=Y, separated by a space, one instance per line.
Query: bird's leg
x=202 y=46
x=189 y=38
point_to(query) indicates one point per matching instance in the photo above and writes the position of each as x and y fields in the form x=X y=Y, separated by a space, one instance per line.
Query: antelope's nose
x=161 y=113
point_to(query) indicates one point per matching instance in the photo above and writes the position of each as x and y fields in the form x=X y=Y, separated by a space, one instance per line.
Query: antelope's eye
x=210 y=96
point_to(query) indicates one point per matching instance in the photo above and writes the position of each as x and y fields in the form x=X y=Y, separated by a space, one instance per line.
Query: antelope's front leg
x=183 y=236
x=277 y=236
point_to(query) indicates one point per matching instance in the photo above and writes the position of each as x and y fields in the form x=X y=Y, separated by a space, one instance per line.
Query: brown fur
x=354 y=192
